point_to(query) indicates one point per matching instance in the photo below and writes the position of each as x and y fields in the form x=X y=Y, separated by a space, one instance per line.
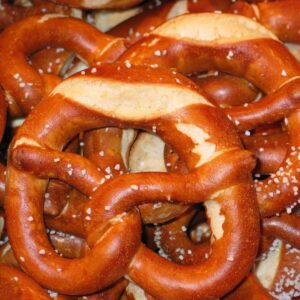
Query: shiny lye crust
x=103 y=4
x=24 y=84
x=184 y=116
x=86 y=171
x=246 y=49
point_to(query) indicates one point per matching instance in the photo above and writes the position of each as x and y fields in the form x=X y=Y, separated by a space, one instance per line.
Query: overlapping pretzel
x=114 y=216
x=203 y=154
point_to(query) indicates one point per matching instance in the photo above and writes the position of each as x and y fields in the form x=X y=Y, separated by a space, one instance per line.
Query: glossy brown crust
x=10 y=14
x=227 y=90
x=208 y=5
x=2 y=183
x=278 y=78
x=51 y=60
x=17 y=76
x=68 y=245
x=103 y=147
x=3 y=112
x=111 y=293
x=174 y=241
x=250 y=289
x=140 y=25
x=15 y=284
x=270 y=150
x=285 y=227
x=7 y=256
x=281 y=17
x=111 y=4
x=235 y=247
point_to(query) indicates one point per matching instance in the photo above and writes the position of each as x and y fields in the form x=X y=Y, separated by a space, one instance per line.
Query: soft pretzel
x=174 y=243
x=227 y=90
x=147 y=155
x=285 y=227
x=103 y=4
x=158 y=12
x=10 y=14
x=270 y=150
x=3 y=109
x=237 y=42
x=15 y=284
x=24 y=84
x=250 y=289
x=35 y=142
x=281 y=17
x=52 y=61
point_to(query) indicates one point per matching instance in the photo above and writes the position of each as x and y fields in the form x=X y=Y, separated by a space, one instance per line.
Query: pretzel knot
x=24 y=86
x=219 y=174
x=244 y=48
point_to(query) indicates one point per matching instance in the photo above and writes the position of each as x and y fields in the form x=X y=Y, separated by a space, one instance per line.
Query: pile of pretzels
x=150 y=150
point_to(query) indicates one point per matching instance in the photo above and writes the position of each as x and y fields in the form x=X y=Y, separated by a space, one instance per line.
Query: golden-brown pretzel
x=281 y=17
x=158 y=12
x=103 y=4
x=35 y=141
x=285 y=227
x=14 y=284
x=52 y=61
x=24 y=84
x=227 y=90
x=179 y=44
x=3 y=110
x=9 y=14
x=147 y=155
x=174 y=243
x=250 y=289
x=270 y=150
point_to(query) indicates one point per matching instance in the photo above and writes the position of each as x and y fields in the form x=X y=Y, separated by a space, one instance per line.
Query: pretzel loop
x=20 y=81
x=209 y=139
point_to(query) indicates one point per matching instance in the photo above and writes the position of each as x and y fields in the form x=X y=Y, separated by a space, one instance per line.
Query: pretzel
x=234 y=51
x=3 y=109
x=281 y=17
x=286 y=227
x=52 y=61
x=133 y=292
x=7 y=256
x=10 y=14
x=147 y=155
x=107 y=4
x=68 y=246
x=105 y=20
x=270 y=150
x=103 y=147
x=227 y=90
x=2 y=223
x=36 y=143
x=15 y=284
x=25 y=85
x=157 y=13
x=250 y=289
x=282 y=278
x=173 y=242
